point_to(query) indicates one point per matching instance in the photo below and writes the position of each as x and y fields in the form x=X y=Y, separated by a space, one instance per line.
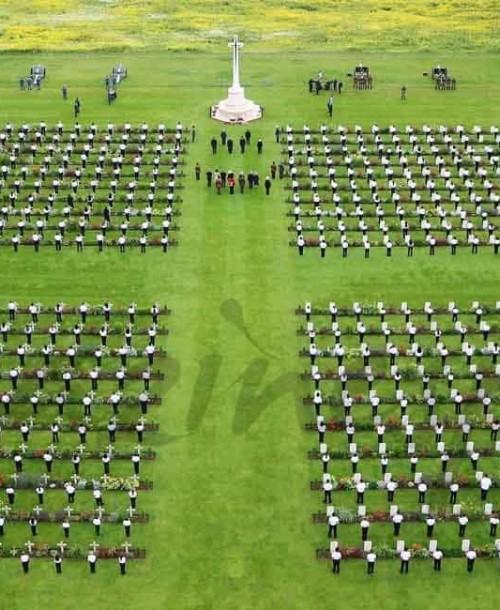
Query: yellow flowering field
x=274 y=24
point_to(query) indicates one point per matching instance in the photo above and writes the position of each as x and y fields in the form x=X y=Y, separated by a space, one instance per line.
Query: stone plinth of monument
x=236 y=108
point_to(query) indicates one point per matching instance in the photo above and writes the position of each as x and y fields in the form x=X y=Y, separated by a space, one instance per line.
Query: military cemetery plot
x=405 y=416
x=90 y=187
x=79 y=390
x=389 y=188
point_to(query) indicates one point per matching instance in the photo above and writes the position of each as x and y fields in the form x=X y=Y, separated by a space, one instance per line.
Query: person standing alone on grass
x=403 y=93
x=76 y=107
x=329 y=105
x=64 y=92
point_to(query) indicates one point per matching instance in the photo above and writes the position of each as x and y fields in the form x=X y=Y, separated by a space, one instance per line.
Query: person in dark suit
x=33 y=525
x=58 y=563
x=329 y=106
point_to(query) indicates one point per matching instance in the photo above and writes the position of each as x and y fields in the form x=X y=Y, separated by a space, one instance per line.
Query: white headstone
x=488 y=509
x=453 y=393
x=420 y=370
x=446 y=370
x=333 y=545
x=399 y=394
x=457 y=509
x=461 y=419
x=372 y=393
x=497 y=445
x=377 y=420
x=448 y=477
x=427 y=394
x=323 y=448
x=361 y=510
x=469 y=446
x=400 y=546
x=394 y=369
x=497 y=370
x=404 y=420
x=310 y=326
x=411 y=448
x=330 y=510
x=433 y=420
x=451 y=306
x=479 y=475
x=353 y=448
x=382 y=448
x=433 y=326
x=489 y=418
x=425 y=508
x=393 y=509
x=418 y=477
x=497 y=544
x=465 y=545
x=356 y=477
x=433 y=545
x=387 y=477
x=481 y=393
x=441 y=446
x=348 y=420
x=367 y=546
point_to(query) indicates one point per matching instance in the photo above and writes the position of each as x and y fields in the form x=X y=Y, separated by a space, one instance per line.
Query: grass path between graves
x=231 y=506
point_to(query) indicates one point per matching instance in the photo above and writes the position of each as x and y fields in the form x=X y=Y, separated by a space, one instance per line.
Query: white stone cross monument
x=236 y=108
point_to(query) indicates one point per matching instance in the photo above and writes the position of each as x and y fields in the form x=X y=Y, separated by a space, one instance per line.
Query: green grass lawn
x=231 y=509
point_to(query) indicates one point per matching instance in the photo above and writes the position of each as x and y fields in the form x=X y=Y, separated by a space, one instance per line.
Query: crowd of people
x=354 y=430
x=418 y=188
x=78 y=393
x=63 y=185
